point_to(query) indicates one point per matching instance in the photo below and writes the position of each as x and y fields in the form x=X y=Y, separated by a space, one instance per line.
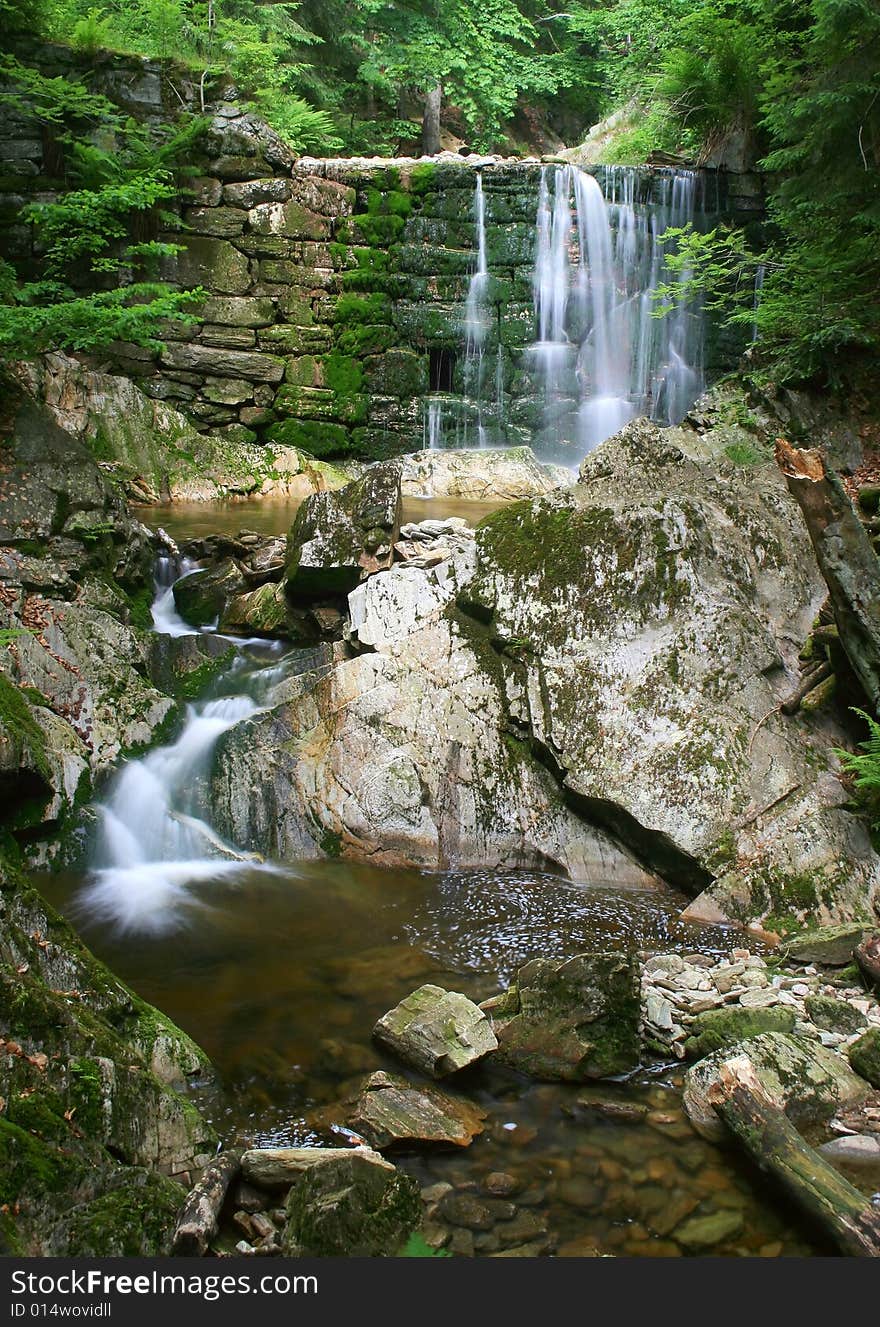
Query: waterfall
x=433 y=426
x=166 y=619
x=476 y=314
x=760 y=274
x=601 y=355
x=154 y=835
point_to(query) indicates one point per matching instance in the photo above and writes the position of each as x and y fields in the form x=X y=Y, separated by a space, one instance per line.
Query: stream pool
x=280 y=977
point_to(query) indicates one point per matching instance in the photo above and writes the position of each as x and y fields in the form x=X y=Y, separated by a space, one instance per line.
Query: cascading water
x=602 y=356
x=155 y=840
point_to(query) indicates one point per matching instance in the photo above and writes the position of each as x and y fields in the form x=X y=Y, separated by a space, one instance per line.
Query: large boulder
x=651 y=618
x=436 y=1031
x=351 y=1205
x=337 y=539
x=572 y=1020
x=864 y=1056
x=809 y=1082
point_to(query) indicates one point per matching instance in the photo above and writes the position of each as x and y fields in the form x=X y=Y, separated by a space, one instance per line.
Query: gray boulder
x=391 y=1113
x=338 y=539
x=436 y=1031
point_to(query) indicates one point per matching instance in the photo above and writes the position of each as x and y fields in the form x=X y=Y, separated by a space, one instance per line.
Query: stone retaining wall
x=337 y=287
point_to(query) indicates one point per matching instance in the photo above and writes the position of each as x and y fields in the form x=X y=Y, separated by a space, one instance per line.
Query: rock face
x=592 y=684
x=393 y=1114
x=337 y=539
x=436 y=1031
x=352 y=1204
x=570 y=1021
x=75 y=585
x=157 y=453
x=809 y=1082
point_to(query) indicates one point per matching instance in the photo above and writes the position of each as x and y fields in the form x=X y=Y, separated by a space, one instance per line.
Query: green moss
x=132 y=1220
x=331 y=843
x=717 y=1028
x=315 y=436
x=361 y=309
x=343 y=374
x=366 y=340
x=423 y=178
x=378 y=230
x=31 y=1166
x=86 y=1094
x=19 y=722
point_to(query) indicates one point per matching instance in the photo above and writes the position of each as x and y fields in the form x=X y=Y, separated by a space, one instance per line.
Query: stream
x=280 y=970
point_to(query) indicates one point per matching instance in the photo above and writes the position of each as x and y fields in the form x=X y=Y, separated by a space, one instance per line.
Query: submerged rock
x=352 y=1204
x=391 y=1113
x=807 y=1081
x=572 y=1020
x=338 y=539
x=436 y=1031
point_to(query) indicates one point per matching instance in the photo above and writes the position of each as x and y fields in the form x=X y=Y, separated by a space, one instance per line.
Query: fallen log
x=200 y=1214
x=762 y=1128
x=846 y=557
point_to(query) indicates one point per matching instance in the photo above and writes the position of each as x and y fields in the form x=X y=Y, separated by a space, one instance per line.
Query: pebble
x=499 y=1184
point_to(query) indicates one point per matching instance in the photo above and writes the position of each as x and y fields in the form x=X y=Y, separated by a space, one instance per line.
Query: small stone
x=262 y=1227
x=463 y=1209
x=243 y=1221
x=855 y=1149
x=759 y=998
x=835 y=1015
x=461 y=1243
x=434 y=1192
x=244 y=1248
x=864 y=1056
x=500 y=1184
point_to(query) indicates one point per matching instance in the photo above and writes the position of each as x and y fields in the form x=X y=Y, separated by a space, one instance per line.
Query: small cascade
x=601 y=355
x=166 y=619
x=155 y=839
x=433 y=424
x=760 y=275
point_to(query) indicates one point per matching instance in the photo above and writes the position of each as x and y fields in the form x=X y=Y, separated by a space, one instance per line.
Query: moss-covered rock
x=202 y=595
x=864 y=1056
x=337 y=539
x=354 y=1205
x=834 y=1015
x=718 y=1028
x=90 y=1124
x=570 y=1021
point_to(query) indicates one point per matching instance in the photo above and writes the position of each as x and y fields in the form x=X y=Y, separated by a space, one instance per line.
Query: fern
x=865 y=767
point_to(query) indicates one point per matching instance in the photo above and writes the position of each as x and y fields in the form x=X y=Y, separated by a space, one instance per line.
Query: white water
x=155 y=841
x=166 y=619
x=433 y=425
x=476 y=318
x=601 y=355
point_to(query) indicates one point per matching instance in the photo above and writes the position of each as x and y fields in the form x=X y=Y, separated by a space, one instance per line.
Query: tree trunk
x=846 y=557
x=200 y=1214
x=431 y=122
x=773 y=1143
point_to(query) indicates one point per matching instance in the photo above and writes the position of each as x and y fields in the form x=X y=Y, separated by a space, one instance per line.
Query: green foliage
x=864 y=766
x=85 y=233
x=416 y=1247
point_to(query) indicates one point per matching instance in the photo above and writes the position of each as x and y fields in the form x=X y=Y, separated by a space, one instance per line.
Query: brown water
x=274 y=516
x=281 y=978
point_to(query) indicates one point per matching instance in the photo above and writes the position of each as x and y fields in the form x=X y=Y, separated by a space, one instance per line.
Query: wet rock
x=463 y=1209
x=338 y=539
x=571 y=1021
x=352 y=1204
x=835 y=1015
x=864 y=1056
x=436 y=1031
x=501 y=1185
x=201 y=596
x=829 y=946
x=808 y=1081
x=392 y=1113
x=260 y=612
x=279 y=1167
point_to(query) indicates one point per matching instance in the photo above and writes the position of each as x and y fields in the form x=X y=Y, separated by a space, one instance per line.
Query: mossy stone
x=834 y=1015
x=864 y=1056
x=716 y=1028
